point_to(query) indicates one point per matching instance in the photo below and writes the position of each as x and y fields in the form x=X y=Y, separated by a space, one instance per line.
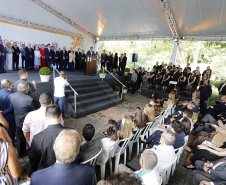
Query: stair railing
x=75 y=93
x=115 y=79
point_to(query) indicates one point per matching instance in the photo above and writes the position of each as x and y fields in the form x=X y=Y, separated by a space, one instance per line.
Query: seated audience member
x=35 y=121
x=42 y=144
x=149 y=113
x=187 y=125
x=10 y=166
x=90 y=147
x=165 y=152
x=110 y=140
x=222 y=88
x=121 y=178
x=176 y=127
x=148 y=172
x=126 y=128
x=22 y=104
x=23 y=74
x=6 y=107
x=65 y=170
x=209 y=152
x=213 y=112
x=139 y=120
x=170 y=100
x=207 y=172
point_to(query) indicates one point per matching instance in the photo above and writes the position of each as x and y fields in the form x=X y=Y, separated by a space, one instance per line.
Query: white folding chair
x=145 y=133
x=122 y=150
x=179 y=152
x=135 y=139
x=166 y=174
x=186 y=139
x=92 y=161
x=102 y=162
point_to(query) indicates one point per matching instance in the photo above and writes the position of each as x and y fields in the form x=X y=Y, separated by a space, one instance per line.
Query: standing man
x=109 y=62
x=103 y=59
x=22 y=104
x=63 y=56
x=2 y=56
x=48 y=56
x=222 y=88
x=22 y=50
x=6 y=107
x=23 y=74
x=124 y=61
x=120 y=62
x=77 y=60
x=28 y=51
x=55 y=55
x=16 y=53
x=90 y=52
x=82 y=61
x=133 y=81
x=59 y=88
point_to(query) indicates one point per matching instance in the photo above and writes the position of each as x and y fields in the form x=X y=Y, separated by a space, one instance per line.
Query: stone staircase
x=93 y=95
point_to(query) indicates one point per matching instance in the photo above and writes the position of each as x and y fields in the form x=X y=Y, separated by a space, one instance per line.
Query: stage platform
x=94 y=95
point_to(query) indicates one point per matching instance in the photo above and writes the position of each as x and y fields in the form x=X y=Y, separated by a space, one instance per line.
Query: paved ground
x=99 y=120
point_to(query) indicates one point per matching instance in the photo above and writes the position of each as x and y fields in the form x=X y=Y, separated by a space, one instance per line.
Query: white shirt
x=166 y=155
x=151 y=178
x=36 y=122
x=60 y=84
x=37 y=54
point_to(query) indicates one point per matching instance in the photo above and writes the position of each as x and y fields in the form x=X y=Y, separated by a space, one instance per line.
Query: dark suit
x=42 y=148
x=31 y=86
x=48 y=57
x=82 y=63
x=2 y=58
x=88 y=150
x=175 y=75
x=22 y=105
x=63 y=56
x=7 y=108
x=124 y=60
x=65 y=174
x=55 y=55
x=217 y=173
x=29 y=58
x=77 y=60
x=16 y=50
x=204 y=95
x=103 y=59
x=121 y=65
x=223 y=89
x=90 y=53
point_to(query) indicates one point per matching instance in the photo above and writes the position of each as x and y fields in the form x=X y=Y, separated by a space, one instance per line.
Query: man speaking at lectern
x=91 y=52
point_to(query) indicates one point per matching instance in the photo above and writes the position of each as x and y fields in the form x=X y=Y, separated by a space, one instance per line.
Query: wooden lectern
x=91 y=67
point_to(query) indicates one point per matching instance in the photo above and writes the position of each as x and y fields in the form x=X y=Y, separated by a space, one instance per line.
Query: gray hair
x=5 y=83
x=66 y=146
x=23 y=86
x=192 y=104
x=149 y=158
x=169 y=137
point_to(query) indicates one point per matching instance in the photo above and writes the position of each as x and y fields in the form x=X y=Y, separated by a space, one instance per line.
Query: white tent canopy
x=125 y=19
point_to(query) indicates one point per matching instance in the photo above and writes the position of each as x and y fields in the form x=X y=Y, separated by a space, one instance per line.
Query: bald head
x=6 y=83
x=66 y=146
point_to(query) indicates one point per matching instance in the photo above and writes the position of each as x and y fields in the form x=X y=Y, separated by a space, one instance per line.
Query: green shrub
x=216 y=83
x=117 y=88
x=102 y=71
x=127 y=69
x=126 y=87
x=45 y=71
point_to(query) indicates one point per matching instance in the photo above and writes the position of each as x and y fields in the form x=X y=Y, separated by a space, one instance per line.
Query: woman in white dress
x=9 y=56
x=37 y=59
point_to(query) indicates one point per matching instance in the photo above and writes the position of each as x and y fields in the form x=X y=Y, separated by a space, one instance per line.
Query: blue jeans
x=61 y=102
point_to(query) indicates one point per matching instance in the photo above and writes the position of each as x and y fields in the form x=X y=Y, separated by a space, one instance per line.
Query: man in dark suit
x=209 y=172
x=65 y=170
x=42 y=143
x=120 y=62
x=23 y=74
x=156 y=67
x=16 y=53
x=186 y=68
x=124 y=61
x=29 y=57
x=22 y=104
x=91 y=52
x=55 y=55
x=109 y=61
x=89 y=147
x=6 y=106
x=64 y=57
x=103 y=59
x=204 y=95
x=77 y=60
x=2 y=56
x=48 y=56
x=82 y=63
x=222 y=88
